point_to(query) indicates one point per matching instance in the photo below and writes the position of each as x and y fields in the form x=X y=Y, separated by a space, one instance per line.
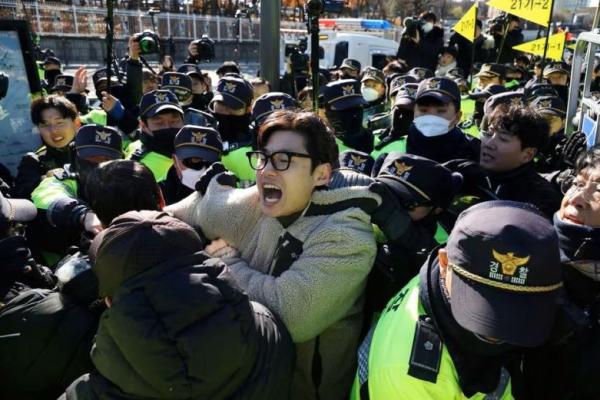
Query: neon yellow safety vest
x=52 y=188
x=95 y=116
x=387 y=351
x=156 y=162
x=238 y=164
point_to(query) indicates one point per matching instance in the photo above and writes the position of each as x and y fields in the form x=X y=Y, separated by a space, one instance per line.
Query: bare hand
x=80 y=81
x=108 y=101
x=134 y=48
x=215 y=246
x=193 y=49
x=91 y=223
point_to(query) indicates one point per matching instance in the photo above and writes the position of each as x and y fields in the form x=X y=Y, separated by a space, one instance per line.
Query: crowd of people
x=421 y=236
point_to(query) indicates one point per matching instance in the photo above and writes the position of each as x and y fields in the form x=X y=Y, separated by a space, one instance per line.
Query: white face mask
x=369 y=94
x=427 y=27
x=432 y=125
x=189 y=177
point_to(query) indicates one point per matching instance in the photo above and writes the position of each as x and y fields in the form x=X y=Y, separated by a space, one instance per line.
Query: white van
x=334 y=46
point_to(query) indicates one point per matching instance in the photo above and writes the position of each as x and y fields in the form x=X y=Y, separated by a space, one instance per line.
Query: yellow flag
x=556 y=44
x=537 y=11
x=466 y=25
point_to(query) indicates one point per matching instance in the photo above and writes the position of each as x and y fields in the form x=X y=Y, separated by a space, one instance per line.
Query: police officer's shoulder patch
x=60 y=173
x=426 y=354
x=139 y=153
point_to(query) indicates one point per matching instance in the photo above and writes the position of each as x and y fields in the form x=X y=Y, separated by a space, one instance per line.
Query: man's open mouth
x=271 y=193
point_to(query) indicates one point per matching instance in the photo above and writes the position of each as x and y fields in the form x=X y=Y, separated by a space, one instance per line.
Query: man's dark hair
x=522 y=58
x=394 y=67
x=479 y=23
x=597 y=68
x=527 y=124
x=588 y=159
x=64 y=107
x=428 y=16
x=318 y=137
x=116 y=187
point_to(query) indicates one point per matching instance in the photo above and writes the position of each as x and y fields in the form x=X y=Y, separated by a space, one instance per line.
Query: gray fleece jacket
x=312 y=273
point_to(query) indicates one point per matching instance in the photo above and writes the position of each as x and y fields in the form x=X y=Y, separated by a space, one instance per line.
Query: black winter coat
x=46 y=341
x=34 y=166
x=172 y=188
x=184 y=330
x=425 y=53
x=513 y=38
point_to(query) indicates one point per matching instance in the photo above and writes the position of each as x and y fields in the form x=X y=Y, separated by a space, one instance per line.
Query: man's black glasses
x=280 y=160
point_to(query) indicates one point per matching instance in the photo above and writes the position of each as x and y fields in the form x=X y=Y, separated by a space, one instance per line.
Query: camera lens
x=147 y=45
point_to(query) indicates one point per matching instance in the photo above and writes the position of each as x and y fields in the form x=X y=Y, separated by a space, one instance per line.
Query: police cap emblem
x=348 y=90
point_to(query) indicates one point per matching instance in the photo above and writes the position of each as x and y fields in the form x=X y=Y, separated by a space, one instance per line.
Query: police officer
x=57 y=122
x=181 y=86
x=424 y=188
x=231 y=107
x=267 y=104
x=479 y=97
x=350 y=69
x=161 y=117
x=402 y=115
x=434 y=133
x=60 y=198
x=373 y=90
x=196 y=148
x=343 y=106
x=52 y=68
x=491 y=74
x=201 y=91
x=557 y=74
x=395 y=85
x=455 y=330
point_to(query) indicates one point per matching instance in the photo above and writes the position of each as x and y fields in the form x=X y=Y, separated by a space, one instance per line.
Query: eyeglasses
x=280 y=160
x=590 y=191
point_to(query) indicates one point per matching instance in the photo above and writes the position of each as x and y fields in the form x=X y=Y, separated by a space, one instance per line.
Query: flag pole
x=548 y=30
x=502 y=43
x=473 y=48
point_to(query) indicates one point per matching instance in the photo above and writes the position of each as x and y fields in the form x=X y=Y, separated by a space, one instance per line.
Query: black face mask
x=346 y=123
x=401 y=120
x=51 y=75
x=232 y=127
x=563 y=92
x=478 y=113
x=200 y=101
x=162 y=141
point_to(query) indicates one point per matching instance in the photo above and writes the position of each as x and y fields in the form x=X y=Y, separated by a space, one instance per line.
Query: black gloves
x=17 y=264
x=473 y=175
x=391 y=217
x=573 y=147
x=225 y=177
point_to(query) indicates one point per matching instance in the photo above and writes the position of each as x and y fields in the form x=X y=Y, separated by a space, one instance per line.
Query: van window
x=379 y=60
x=341 y=52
